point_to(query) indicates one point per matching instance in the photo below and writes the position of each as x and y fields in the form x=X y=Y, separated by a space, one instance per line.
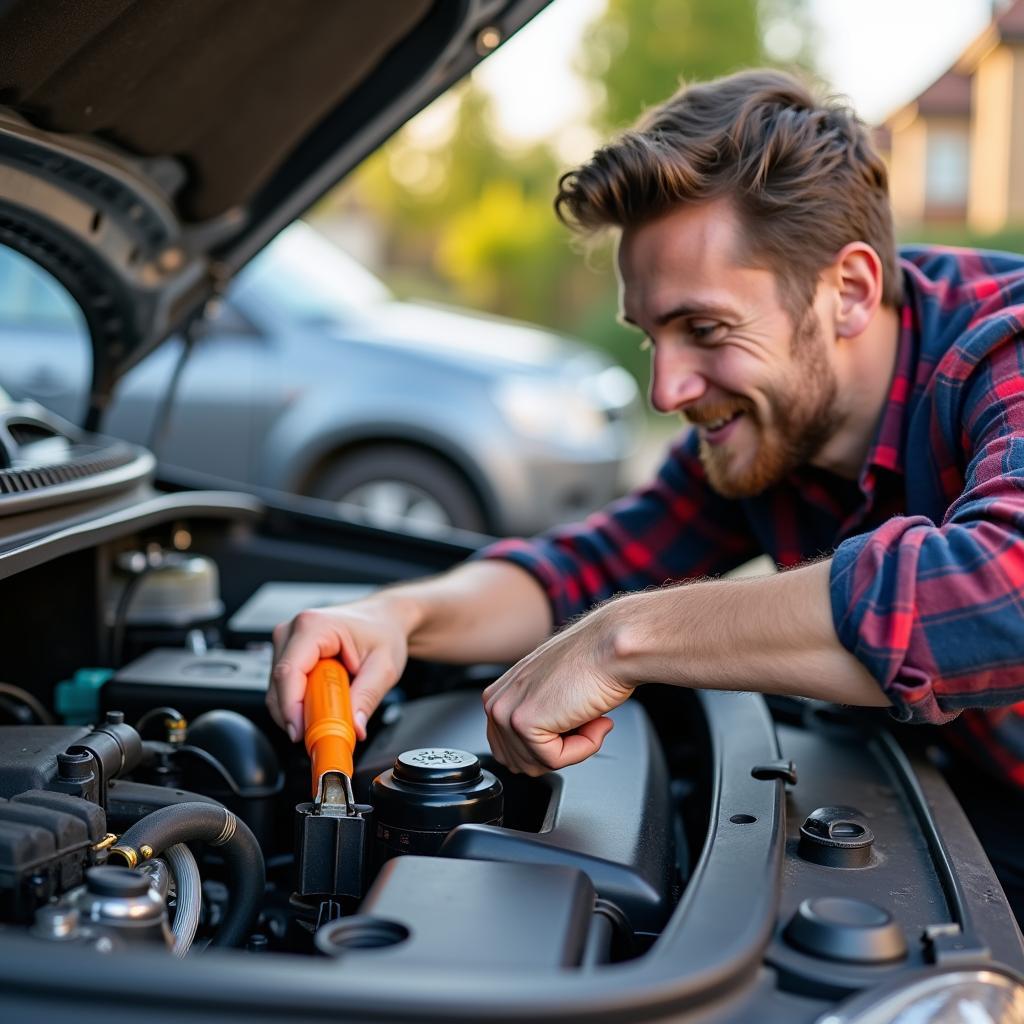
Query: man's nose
x=676 y=380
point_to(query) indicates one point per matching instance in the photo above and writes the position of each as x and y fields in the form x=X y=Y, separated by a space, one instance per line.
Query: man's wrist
x=401 y=608
x=626 y=628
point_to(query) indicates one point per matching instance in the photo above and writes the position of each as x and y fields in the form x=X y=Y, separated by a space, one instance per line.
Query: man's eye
x=705 y=332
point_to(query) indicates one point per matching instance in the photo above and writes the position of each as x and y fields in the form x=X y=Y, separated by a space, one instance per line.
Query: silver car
x=311 y=378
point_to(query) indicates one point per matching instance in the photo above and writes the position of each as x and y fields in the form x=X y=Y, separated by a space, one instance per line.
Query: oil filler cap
x=840 y=928
x=429 y=792
x=437 y=766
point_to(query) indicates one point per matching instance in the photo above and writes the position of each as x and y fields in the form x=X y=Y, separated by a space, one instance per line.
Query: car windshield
x=311 y=279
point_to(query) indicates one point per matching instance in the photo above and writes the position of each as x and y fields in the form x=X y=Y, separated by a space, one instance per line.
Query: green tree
x=639 y=51
x=465 y=218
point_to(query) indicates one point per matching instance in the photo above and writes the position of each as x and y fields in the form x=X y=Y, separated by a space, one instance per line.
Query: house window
x=946 y=169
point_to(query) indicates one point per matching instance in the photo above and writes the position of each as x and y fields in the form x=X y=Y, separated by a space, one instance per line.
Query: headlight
x=549 y=411
x=954 y=997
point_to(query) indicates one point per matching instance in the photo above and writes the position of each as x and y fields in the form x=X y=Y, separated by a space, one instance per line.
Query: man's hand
x=367 y=636
x=549 y=710
x=479 y=611
x=772 y=634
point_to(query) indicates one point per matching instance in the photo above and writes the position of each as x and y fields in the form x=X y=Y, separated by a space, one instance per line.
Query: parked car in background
x=312 y=378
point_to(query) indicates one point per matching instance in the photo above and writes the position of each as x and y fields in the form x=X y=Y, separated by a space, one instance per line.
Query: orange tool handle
x=330 y=733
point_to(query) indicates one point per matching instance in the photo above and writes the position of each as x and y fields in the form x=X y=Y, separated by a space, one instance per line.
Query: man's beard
x=803 y=418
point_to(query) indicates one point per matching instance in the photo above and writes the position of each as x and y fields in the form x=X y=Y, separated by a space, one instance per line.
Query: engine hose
x=188 y=887
x=211 y=823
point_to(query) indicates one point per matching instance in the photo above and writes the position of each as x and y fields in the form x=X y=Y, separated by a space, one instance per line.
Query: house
x=956 y=152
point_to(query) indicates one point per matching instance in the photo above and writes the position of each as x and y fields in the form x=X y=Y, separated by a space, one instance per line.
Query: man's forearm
x=487 y=610
x=773 y=634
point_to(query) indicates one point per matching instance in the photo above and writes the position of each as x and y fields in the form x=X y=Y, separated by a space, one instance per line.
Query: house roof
x=1007 y=29
x=1010 y=24
x=949 y=96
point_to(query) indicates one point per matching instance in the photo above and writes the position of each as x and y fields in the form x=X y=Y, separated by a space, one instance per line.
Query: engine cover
x=609 y=816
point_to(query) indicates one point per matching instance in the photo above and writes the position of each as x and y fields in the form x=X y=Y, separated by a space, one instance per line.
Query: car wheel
x=399 y=487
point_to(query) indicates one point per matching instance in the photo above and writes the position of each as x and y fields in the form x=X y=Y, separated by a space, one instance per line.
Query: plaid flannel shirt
x=927 y=577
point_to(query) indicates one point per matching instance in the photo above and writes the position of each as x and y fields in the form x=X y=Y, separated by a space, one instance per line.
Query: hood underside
x=148 y=148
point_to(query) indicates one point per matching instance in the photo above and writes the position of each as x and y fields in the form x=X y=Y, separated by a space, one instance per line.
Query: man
x=857 y=416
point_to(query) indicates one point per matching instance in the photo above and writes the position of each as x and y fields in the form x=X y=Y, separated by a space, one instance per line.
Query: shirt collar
x=886 y=451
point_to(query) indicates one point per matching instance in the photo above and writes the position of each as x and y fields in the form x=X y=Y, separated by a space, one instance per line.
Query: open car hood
x=149 y=148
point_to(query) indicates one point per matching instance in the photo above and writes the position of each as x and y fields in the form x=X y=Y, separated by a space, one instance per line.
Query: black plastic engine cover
x=45 y=846
x=507 y=916
x=610 y=816
x=28 y=754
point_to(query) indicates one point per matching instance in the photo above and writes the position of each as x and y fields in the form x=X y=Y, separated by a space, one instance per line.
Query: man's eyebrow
x=713 y=309
x=685 y=309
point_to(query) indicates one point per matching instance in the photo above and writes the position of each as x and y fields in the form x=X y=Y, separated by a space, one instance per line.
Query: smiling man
x=856 y=413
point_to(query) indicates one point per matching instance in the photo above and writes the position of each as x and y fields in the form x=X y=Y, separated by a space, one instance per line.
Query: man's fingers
x=534 y=749
x=502 y=738
x=543 y=751
x=559 y=750
x=377 y=675
x=274 y=708
x=496 y=745
x=280 y=634
x=521 y=756
x=583 y=741
x=506 y=736
x=288 y=678
x=298 y=646
x=287 y=688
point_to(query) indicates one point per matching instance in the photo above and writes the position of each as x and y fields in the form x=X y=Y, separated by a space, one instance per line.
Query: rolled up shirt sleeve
x=935 y=610
x=674 y=529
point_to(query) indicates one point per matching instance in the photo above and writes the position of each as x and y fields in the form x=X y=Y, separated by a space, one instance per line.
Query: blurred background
x=416 y=402
x=458 y=206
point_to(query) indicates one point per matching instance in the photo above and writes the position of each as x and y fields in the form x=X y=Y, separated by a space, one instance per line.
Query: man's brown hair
x=801 y=171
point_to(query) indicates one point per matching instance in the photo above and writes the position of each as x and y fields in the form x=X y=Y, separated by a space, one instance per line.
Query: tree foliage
x=640 y=51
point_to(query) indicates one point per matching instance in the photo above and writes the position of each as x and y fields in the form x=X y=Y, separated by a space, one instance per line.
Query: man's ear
x=857 y=276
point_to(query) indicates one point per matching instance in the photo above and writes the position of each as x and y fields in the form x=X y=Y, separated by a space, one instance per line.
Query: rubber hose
x=188 y=887
x=211 y=823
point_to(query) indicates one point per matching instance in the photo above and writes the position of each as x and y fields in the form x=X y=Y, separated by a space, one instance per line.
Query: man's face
x=760 y=389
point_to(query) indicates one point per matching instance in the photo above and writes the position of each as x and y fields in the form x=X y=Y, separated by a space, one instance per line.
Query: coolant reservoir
x=181 y=591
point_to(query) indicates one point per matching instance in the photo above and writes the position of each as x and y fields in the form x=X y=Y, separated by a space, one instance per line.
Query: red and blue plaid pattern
x=927 y=546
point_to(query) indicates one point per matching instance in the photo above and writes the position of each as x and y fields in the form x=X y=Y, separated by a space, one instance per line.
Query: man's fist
x=550 y=710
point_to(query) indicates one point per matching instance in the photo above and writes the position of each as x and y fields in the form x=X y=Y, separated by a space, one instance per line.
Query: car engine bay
x=722 y=857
